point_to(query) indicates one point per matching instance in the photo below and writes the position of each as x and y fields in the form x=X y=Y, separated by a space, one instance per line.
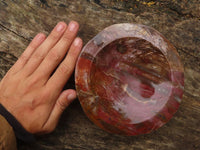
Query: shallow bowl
x=129 y=79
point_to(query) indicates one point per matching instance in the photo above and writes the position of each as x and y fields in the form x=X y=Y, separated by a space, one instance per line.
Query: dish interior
x=131 y=77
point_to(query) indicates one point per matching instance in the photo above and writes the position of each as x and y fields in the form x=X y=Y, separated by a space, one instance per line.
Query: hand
x=29 y=90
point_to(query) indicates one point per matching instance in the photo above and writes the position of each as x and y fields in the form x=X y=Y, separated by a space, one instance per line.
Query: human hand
x=29 y=90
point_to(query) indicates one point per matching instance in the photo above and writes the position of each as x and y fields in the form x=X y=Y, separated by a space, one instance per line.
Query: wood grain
x=177 y=20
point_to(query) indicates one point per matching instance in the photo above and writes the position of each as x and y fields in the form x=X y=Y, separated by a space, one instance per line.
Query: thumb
x=65 y=98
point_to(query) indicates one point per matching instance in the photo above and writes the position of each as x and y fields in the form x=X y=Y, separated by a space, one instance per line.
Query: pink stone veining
x=129 y=79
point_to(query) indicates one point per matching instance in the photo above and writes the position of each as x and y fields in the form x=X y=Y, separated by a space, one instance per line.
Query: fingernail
x=72 y=26
x=71 y=97
x=77 y=41
x=40 y=36
x=60 y=27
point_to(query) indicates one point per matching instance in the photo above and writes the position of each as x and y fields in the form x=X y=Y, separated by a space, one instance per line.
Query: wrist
x=20 y=132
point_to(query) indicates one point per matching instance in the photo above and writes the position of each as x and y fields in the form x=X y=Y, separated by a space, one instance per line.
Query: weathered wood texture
x=177 y=20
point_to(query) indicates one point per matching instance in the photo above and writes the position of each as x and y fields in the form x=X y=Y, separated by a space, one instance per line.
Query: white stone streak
x=138 y=110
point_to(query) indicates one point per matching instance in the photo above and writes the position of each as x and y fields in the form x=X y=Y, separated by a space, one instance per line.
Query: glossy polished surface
x=129 y=79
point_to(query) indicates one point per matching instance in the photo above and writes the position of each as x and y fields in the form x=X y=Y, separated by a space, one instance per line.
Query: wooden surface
x=177 y=20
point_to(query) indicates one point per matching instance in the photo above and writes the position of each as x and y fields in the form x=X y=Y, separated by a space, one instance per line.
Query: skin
x=29 y=90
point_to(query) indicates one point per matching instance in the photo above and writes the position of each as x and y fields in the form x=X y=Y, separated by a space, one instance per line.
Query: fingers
x=44 y=48
x=35 y=43
x=57 y=53
x=65 y=98
x=66 y=68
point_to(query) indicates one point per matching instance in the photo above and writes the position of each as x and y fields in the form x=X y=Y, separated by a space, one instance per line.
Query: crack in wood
x=180 y=14
x=8 y=57
x=7 y=29
x=186 y=52
x=188 y=15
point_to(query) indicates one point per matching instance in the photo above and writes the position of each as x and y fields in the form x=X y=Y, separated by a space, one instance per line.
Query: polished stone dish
x=129 y=79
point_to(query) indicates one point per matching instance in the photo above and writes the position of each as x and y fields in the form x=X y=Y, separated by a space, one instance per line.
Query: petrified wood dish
x=129 y=79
